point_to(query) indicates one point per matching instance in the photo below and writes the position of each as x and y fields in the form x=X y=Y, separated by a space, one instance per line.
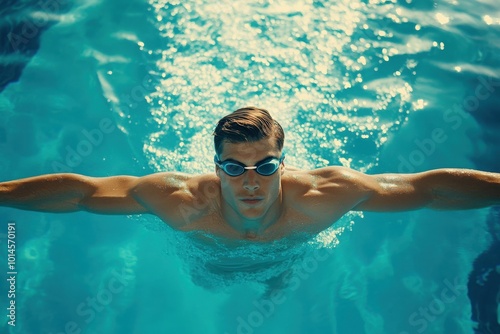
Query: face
x=250 y=195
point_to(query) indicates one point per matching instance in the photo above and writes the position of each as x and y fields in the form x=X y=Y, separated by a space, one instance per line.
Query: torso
x=219 y=253
x=310 y=204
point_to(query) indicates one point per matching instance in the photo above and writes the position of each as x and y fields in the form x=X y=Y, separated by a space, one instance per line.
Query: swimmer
x=253 y=195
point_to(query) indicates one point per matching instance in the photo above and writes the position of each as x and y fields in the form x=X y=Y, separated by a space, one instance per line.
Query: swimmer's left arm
x=442 y=189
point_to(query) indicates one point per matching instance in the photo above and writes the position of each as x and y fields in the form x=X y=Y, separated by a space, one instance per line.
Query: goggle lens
x=268 y=168
x=233 y=169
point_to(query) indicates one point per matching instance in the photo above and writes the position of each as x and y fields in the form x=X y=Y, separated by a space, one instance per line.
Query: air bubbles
x=439 y=45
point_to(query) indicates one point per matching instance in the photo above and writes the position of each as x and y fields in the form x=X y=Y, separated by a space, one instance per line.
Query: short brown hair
x=246 y=125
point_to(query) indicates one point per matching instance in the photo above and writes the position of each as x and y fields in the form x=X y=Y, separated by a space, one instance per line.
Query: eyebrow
x=258 y=162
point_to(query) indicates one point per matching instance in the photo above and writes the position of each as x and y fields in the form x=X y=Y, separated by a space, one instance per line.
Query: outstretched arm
x=444 y=189
x=72 y=192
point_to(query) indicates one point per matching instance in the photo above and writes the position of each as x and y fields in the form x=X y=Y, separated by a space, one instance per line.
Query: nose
x=251 y=181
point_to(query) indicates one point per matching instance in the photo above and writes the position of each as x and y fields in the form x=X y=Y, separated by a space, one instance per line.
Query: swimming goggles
x=266 y=167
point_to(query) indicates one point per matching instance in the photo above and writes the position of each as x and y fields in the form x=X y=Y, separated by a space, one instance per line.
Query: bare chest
x=291 y=222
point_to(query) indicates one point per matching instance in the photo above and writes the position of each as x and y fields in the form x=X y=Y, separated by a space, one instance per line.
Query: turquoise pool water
x=106 y=88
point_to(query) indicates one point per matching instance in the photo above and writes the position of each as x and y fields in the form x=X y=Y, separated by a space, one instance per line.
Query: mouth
x=252 y=200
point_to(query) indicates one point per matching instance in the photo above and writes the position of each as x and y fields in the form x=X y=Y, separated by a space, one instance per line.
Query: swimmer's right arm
x=73 y=192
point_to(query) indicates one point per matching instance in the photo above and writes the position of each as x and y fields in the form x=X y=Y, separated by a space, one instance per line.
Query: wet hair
x=247 y=124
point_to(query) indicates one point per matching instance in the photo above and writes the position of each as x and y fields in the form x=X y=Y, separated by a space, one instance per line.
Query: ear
x=217 y=171
x=282 y=167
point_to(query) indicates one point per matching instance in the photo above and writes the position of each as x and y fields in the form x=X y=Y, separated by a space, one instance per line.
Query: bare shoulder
x=179 y=199
x=323 y=178
x=325 y=194
x=171 y=182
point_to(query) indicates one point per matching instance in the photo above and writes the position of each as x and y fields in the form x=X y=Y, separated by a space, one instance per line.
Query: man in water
x=252 y=195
